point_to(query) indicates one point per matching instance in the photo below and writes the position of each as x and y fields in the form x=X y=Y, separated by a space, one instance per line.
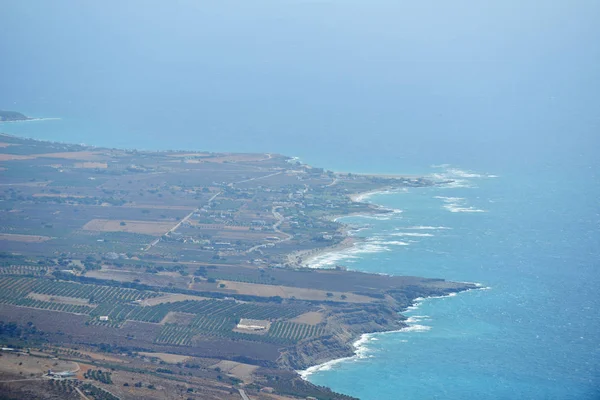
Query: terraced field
x=112 y=306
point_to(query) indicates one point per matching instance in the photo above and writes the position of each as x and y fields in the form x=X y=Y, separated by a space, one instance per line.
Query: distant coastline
x=344 y=343
x=360 y=342
x=31 y=120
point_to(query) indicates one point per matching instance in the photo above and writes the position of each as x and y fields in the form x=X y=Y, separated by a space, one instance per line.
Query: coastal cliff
x=349 y=323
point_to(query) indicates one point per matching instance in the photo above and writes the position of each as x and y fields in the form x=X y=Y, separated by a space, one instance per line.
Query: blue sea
x=500 y=96
x=532 y=333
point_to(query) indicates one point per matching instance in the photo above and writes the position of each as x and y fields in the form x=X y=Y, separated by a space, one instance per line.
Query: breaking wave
x=453 y=177
x=458 y=204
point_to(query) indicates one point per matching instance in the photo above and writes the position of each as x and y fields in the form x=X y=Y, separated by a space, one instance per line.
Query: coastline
x=31 y=120
x=359 y=343
x=306 y=258
x=347 y=343
x=303 y=258
x=361 y=196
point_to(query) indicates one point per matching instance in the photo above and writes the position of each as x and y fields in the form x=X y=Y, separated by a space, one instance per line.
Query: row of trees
x=99 y=375
x=293 y=331
x=27 y=270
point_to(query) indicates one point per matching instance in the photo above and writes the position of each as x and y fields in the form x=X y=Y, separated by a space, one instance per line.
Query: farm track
x=185 y=219
x=280 y=219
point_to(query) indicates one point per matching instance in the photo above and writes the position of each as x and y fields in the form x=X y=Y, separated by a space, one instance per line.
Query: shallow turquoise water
x=533 y=334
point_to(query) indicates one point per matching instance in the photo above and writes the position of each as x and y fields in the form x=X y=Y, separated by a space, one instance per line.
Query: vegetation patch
x=144 y=227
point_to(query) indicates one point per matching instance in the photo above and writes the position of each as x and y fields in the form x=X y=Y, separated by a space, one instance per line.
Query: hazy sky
x=469 y=70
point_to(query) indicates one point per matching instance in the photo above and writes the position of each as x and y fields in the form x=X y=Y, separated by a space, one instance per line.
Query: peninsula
x=9 y=116
x=129 y=274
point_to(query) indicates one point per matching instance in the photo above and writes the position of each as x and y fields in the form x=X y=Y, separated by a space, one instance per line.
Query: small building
x=60 y=375
x=253 y=324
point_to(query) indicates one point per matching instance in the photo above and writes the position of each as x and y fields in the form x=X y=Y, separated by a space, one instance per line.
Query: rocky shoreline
x=386 y=317
x=349 y=328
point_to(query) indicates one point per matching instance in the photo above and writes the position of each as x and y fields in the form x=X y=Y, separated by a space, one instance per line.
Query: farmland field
x=24 y=238
x=286 y=292
x=144 y=227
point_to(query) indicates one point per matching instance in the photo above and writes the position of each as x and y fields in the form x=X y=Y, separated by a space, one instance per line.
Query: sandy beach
x=303 y=258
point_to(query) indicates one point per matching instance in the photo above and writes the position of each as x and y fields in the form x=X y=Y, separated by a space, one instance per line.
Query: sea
x=499 y=97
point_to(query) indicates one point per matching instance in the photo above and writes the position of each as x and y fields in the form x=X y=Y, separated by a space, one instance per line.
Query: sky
x=507 y=74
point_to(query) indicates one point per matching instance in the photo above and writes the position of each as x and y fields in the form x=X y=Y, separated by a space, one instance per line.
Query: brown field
x=90 y=164
x=130 y=276
x=71 y=155
x=62 y=195
x=171 y=298
x=239 y=370
x=29 y=184
x=100 y=357
x=59 y=299
x=33 y=365
x=83 y=368
x=13 y=157
x=286 y=292
x=309 y=318
x=24 y=238
x=160 y=207
x=247 y=235
x=166 y=357
x=189 y=155
x=145 y=227
x=222 y=158
x=238 y=158
x=172 y=274
x=220 y=226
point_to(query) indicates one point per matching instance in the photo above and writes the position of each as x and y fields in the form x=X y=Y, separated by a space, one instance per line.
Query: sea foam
x=330 y=259
x=457 y=204
x=411 y=234
x=360 y=352
x=423 y=228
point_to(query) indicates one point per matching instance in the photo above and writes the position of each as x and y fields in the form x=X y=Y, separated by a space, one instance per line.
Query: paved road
x=280 y=219
x=173 y=229
x=187 y=217
x=335 y=180
x=243 y=394
x=258 y=177
x=83 y=396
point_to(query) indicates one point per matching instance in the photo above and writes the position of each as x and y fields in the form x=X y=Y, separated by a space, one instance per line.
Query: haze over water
x=504 y=88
